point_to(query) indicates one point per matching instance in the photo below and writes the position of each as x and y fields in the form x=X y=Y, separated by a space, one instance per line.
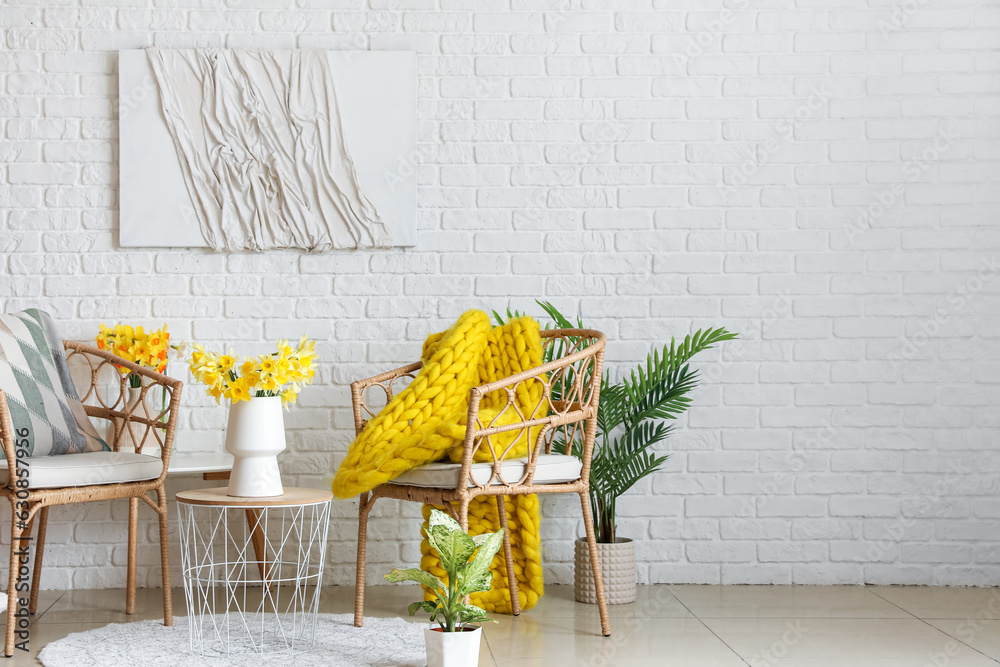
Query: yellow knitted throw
x=427 y=421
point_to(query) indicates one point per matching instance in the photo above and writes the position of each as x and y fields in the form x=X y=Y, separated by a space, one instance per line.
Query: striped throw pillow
x=42 y=400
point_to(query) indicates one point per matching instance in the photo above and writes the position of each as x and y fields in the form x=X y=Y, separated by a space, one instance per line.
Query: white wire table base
x=252 y=574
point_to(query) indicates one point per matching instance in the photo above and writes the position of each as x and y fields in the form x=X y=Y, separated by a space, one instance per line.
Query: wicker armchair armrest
x=165 y=420
x=385 y=382
x=578 y=374
x=7 y=439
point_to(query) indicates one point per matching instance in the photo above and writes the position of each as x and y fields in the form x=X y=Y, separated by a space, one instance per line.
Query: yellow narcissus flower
x=158 y=340
x=227 y=361
x=139 y=351
x=266 y=366
x=135 y=345
x=197 y=355
x=243 y=378
x=282 y=369
x=215 y=391
x=238 y=391
x=211 y=379
x=253 y=380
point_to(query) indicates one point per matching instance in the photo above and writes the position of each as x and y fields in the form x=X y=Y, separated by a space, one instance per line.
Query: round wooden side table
x=252 y=569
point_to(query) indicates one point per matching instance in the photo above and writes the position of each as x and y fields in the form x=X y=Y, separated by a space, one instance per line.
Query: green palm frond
x=620 y=465
x=631 y=414
x=613 y=407
x=659 y=391
x=561 y=321
x=504 y=319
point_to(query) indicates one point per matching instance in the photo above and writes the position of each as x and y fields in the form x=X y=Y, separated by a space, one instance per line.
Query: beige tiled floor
x=677 y=626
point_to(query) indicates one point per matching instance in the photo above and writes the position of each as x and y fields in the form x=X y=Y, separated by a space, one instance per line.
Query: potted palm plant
x=454 y=641
x=631 y=420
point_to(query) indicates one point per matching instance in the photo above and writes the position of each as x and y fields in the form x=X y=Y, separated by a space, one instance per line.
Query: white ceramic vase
x=617 y=571
x=452 y=649
x=255 y=436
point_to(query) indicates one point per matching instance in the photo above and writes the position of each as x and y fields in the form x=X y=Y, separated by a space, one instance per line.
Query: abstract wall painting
x=253 y=150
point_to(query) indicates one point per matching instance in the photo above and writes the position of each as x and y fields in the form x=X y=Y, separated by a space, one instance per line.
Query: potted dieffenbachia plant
x=632 y=417
x=454 y=640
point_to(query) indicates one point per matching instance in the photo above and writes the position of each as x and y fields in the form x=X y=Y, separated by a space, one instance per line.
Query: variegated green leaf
x=453 y=546
x=439 y=518
x=413 y=574
x=428 y=606
x=472 y=614
x=480 y=585
x=472 y=578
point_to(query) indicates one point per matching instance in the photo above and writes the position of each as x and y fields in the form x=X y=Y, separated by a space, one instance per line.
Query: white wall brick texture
x=820 y=177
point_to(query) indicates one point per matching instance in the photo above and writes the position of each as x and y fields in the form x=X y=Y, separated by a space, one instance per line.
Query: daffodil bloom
x=227 y=362
x=252 y=379
x=289 y=397
x=237 y=391
x=135 y=345
x=266 y=366
x=243 y=378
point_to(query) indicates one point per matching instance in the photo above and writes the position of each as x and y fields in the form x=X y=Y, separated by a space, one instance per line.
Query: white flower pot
x=255 y=436
x=617 y=570
x=452 y=649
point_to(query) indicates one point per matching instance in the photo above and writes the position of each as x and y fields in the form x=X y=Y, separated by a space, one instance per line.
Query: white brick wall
x=820 y=176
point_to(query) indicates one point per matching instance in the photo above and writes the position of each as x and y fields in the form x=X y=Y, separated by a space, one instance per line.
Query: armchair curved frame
x=129 y=420
x=566 y=413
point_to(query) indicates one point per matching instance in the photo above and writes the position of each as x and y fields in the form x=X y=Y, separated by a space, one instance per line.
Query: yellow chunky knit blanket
x=427 y=421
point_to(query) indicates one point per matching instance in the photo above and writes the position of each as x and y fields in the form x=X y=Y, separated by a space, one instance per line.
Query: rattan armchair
x=571 y=392
x=134 y=425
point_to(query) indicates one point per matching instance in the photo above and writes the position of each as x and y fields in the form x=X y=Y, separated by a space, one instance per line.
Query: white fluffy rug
x=382 y=641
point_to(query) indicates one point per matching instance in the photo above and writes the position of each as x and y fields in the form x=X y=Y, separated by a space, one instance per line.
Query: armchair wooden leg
x=595 y=563
x=364 y=508
x=133 y=540
x=16 y=536
x=168 y=609
x=36 y=577
x=257 y=538
x=463 y=513
x=515 y=600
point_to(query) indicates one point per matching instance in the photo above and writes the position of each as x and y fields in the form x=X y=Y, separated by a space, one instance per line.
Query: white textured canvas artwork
x=251 y=150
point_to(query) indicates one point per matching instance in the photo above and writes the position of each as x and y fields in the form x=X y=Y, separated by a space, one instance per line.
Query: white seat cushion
x=88 y=469
x=550 y=469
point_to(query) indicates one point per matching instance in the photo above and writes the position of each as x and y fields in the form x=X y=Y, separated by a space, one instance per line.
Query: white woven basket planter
x=617 y=566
